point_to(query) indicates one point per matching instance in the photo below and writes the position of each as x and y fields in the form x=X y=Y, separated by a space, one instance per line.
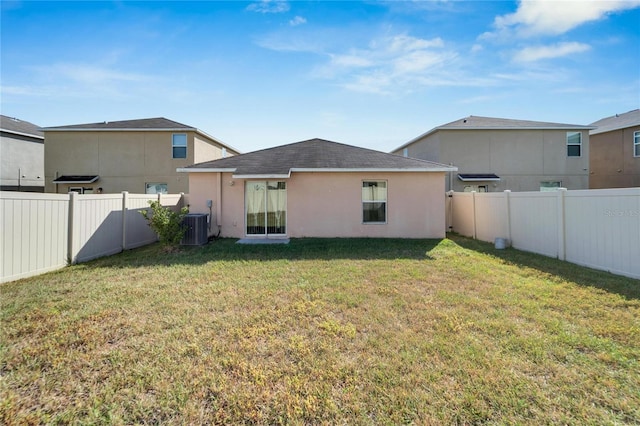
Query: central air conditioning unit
x=196 y=233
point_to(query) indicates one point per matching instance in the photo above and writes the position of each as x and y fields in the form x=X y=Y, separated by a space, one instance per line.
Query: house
x=139 y=156
x=614 y=157
x=21 y=156
x=495 y=154
x=318 y=188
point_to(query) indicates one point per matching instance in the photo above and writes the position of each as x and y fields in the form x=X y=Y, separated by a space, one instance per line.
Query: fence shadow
x=581 y=275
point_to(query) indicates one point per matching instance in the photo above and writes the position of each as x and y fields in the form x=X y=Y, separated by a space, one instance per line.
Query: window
x=179 y=145
x=574 y=144
x=405 y=152
x=224 y=152
x=477 y=188
x=636 y=144
x=374 y=202
x=156 y=188
x=81 y=190
x=550 y=186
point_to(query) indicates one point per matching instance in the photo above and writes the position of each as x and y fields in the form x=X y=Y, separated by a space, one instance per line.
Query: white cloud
x=536 y=53
x=269 y=6
x=545 y=17
x=298 y=20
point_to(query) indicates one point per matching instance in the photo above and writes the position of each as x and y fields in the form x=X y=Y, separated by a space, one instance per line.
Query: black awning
x=76 y=179
x=478 y=177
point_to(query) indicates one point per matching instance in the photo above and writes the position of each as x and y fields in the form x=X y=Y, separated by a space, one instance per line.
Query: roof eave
x=29 y=135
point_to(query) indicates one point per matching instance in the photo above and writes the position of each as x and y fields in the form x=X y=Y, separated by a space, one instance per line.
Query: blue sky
x=371 y=74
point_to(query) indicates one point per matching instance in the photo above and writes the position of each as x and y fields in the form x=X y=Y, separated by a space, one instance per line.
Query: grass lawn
x=322 y=331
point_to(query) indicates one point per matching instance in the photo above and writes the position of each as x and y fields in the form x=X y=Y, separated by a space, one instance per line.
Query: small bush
x=166 y=223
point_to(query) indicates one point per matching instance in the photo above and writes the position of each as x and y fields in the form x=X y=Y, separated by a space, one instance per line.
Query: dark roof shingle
x=315 y=154
x=616 y=122
x=159 y=123
x=13 y=125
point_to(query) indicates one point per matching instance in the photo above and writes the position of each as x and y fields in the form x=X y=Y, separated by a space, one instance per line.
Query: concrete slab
x=263 y=241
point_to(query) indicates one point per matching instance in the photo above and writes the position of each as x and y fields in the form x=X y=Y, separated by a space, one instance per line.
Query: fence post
x=125 y=208
x=73 y=213
x=507 y=198
x=473 y=212
x=561 y=224
x=449 y=204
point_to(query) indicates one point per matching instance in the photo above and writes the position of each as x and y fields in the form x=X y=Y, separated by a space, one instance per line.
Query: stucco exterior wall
x=522 y=158
x=21 y=156
x=330 y=204
x=612 y=162
x=124 y=160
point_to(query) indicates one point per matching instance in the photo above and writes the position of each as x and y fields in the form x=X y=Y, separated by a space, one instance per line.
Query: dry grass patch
x=322 y=331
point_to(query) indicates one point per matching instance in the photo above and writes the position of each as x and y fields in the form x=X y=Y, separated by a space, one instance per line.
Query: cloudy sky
x=372 y=74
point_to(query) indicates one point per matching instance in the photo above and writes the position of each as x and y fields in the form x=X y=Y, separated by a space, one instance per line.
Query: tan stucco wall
x=522 y=158
x=330 y=204
x=612 y=162
x=124 y=160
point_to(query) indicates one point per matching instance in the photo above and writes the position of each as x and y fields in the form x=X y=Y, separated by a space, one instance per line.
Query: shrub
x=166 y=223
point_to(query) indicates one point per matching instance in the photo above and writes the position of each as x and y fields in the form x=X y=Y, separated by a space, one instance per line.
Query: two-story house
x=495 y=154
x=21 y=156
x=615 y=151
x=139 y=156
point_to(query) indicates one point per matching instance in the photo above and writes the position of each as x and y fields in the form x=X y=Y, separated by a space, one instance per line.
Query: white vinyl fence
x=598 y=228
x=44 y=232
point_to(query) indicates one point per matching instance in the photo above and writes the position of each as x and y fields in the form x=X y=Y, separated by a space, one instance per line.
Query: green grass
x=322 y=331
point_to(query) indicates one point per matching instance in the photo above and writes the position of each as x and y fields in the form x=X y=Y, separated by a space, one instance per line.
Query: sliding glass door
x=266 y=208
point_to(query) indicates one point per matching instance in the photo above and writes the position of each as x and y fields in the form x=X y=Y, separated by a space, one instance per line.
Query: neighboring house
x=21 y=156
x=495 y=154
x=615 y=151
x=318 y=188
x=139 y=156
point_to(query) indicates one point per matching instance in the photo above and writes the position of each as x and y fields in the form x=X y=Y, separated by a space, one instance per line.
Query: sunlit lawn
x=322 y=331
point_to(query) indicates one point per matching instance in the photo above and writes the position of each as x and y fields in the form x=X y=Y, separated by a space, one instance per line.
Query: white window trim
x=386 y=210
x=636 y=143
x=186 y=146
x=574 y=144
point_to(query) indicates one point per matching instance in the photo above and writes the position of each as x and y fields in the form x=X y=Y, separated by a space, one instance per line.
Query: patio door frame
x=266 y=209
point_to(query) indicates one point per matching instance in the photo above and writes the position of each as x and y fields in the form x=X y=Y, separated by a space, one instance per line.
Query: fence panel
x=534 y=222
x=34 y=233
x=491 y=216
x=43 y=232
x=602 y=229
x=598 y=228
x=462 y=213
x=138 y=232
x=97 y=226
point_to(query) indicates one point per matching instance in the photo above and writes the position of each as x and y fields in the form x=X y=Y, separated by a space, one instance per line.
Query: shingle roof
x=314 y=155
x=473 y=122
x=616 y=122
x=159 y=123
x=145 y=124
x=13 y=125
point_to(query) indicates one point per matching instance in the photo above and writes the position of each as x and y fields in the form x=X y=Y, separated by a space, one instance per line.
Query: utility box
x=196 y=233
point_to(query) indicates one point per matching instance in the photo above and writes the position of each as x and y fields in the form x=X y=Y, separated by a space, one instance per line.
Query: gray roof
x=145 y=124
x=159 y=123
x=314 y=155
x=20 y=127
x=616 y=122
x=473 y=122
